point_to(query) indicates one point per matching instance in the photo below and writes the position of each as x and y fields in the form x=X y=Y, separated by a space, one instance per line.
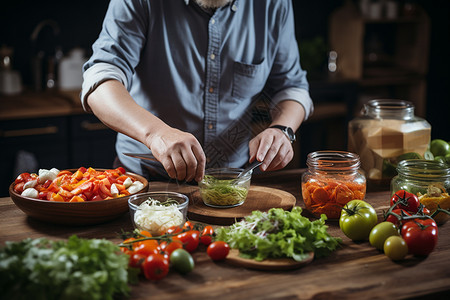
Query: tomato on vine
x=190 y=239
x=155 y=267
x=405 y=200
x=207 y=235
x=421 y=236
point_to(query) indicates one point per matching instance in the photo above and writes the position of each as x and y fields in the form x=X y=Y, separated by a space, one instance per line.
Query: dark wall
x=80 y=22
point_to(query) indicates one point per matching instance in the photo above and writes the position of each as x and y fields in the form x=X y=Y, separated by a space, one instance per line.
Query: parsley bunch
x=72 y=269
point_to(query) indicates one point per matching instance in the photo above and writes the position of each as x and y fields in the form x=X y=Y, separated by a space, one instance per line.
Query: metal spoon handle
x=250 y=168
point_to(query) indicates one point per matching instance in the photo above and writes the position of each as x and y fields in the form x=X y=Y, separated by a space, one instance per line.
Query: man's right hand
x=179 y=152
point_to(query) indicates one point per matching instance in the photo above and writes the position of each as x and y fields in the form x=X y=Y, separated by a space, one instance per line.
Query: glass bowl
x=156 y=212
x=220 y=187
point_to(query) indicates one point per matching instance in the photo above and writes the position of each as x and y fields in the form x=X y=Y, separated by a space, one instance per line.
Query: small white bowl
x=157 y=220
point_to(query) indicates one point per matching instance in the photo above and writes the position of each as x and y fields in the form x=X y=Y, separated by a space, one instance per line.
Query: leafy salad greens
x=72 y=269
x=279 y=233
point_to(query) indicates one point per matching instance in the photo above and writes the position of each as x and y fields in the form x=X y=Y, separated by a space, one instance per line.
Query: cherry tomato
x=147 y=247
x=218 y=250
x=206 y=235
x=407 y=201
x=188 y=225
x=190 y=239
x=169 y=247
x=136 y=260
x=155 y=267
x=421 y=236
x=381 y=232
x=398 y=221
x=182 y=261
x=357 y=219
x=174 y=230
x=395 y=248
x=22 y=178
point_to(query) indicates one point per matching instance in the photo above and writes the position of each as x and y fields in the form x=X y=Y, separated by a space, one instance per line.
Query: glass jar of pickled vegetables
x=429 y=180
x=333 y=178
x=386 y=133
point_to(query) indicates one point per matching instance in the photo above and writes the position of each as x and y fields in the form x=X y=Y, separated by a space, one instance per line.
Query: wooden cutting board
x=258 y=198
x=271 y=264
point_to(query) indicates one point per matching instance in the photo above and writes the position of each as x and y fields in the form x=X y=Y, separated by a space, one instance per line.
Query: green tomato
x=439 y=147
x=381 y=232
x=181 y=261
x=395 y=248
x=357 y=220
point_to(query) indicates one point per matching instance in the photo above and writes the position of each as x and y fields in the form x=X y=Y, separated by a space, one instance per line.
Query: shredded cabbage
x=156 y=217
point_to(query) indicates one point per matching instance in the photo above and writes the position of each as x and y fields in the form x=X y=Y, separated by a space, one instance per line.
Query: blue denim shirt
x=199 y=72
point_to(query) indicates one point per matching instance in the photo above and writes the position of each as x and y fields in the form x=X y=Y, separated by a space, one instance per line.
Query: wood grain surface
x=270 y=264
x=355 y=271
x=258 y=198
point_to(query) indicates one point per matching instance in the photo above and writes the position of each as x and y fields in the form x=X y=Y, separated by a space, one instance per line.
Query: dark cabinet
x=62 y=142
x=30 y=144
x=92 y=144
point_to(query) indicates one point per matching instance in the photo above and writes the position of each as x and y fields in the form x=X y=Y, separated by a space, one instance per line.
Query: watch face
x=290 y=133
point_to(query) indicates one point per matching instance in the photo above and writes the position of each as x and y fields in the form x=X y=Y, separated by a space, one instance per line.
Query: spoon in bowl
x=249 y=168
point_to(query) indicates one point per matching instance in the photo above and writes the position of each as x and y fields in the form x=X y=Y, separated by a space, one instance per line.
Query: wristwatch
x=287 y=131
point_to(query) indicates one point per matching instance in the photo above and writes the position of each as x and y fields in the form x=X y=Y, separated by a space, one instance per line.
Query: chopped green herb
x=73 y=269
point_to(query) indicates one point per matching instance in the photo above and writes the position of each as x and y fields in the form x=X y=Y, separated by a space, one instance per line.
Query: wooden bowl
x=75 y=213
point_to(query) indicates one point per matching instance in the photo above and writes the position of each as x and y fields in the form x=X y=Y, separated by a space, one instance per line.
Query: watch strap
x=287 y=131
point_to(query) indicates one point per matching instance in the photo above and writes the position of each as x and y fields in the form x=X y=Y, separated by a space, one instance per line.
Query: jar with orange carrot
x=333 y=178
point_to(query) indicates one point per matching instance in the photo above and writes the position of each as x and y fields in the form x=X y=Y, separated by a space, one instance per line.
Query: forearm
x=114 y=106
x=288 y=113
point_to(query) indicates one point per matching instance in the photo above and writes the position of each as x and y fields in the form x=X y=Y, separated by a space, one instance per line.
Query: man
x=179 y=78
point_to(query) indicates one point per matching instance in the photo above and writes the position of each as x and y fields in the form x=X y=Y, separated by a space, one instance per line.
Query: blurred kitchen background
x=353 y=51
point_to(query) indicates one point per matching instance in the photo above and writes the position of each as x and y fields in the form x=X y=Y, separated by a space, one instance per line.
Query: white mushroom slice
x=31 y=193
x=128 y=182
x=45 y=175
x=114 y=190
x=135 y=187
x=30 y=184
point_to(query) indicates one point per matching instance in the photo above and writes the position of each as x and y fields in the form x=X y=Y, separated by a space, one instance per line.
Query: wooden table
x=357 y=270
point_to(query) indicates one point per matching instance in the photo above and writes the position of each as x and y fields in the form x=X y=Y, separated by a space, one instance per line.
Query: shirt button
x=234 y=7
x=208 y=160
x=213 y=21
x=211 y=90
x=210 y=126
x=212 y=56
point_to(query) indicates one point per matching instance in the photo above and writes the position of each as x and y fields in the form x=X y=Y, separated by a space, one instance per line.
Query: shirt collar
x=233 y=4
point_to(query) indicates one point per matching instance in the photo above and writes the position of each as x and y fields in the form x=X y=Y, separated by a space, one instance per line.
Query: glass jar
x=333 y=178
x=429 y=180
x=386 y=133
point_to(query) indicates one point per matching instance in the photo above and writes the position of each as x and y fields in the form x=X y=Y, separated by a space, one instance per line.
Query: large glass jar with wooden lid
x=387 y=132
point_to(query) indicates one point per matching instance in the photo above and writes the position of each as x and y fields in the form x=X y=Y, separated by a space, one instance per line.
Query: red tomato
x=121 y=170
x=188 y=225
x=218 y=250
x=174 y=230
x=155 y=266
x=421 y=236
x=18 y=188
x=147 y=247
x=136 y=260
x=395 y=220
x=406 y=200
x=22 y=178
x=190 y=239
x=207 y=234
x=168 y=247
